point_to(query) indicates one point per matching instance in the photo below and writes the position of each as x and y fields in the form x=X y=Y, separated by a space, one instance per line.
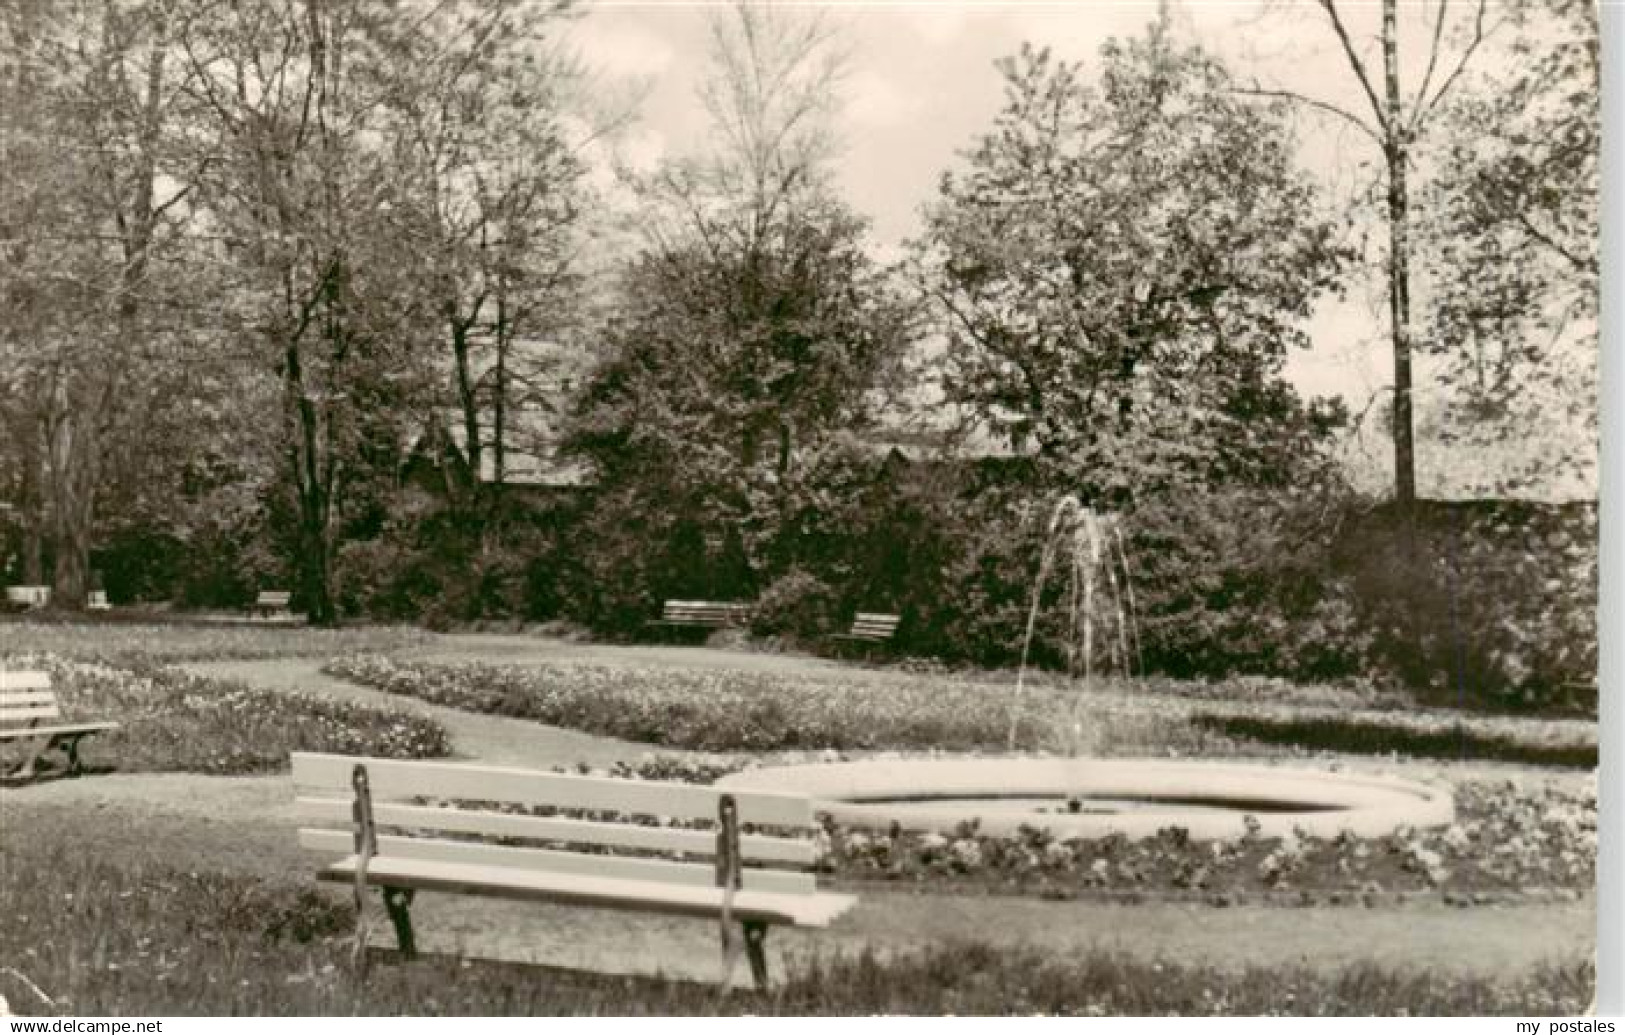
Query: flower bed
x=1507 y=841
x=754 y=712
x=173 y=721
x=750 y=711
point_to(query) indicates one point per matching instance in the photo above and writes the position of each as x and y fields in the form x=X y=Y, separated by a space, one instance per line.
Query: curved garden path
x=493 y=739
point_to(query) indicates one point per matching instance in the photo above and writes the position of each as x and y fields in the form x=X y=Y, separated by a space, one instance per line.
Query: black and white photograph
x=796 y=508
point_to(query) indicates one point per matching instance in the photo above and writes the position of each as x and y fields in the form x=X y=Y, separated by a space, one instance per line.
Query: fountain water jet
x=1092 y=537
x=1078 y=797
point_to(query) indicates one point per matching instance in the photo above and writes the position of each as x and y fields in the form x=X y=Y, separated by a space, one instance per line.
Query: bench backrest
x=704 y=612
x=553 y=822
x=30 y=596
x=26 y=698
x=273 y=598
x=874 y=626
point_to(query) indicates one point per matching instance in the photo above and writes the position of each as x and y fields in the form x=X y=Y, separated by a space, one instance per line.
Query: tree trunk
x=73 y=469
x=1395 y=147
x=499 y=404
x=32 y=508
x=468 y=398
x=311 y=488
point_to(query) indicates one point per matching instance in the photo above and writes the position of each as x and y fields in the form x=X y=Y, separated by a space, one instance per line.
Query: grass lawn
x=170 y=642
x=127 y=898
x=100 y=935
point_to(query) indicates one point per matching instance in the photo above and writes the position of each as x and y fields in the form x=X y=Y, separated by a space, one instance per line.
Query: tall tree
x=100 y=177
x=1396 y=121
x=1124 y=267
x=301 y=93
x=754 y=326
x=497 y=188
x=1510 y=246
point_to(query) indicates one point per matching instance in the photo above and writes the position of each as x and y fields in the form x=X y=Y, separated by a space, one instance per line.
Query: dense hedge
x=1483 y=603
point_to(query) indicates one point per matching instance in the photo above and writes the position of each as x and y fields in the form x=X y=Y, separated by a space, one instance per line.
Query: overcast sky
x=922 y=85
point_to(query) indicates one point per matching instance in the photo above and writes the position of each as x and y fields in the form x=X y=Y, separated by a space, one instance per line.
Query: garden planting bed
x=175 y=721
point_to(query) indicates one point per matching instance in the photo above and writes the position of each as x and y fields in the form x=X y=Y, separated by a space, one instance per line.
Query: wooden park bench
x=29 y=711
x=97 y=601
x=408 y=826
x=271 y=602
x=28 y=596
x=869 y=630
x=704 y=615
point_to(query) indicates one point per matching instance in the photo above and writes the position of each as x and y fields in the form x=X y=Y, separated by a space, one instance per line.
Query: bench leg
x=756 y=951
x=70 y=747
x=30 y=764
x=398 y=902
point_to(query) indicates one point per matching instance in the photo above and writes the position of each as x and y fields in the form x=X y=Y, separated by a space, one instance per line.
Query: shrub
x=1487 y=604
x=1239 y=581
x=797 y=605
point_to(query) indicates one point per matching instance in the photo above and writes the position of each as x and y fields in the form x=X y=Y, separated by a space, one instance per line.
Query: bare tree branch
x=1326 y=106
x=1330 y=7
x=1424 y=105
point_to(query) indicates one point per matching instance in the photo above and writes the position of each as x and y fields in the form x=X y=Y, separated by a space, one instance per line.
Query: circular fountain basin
x=1095 y=797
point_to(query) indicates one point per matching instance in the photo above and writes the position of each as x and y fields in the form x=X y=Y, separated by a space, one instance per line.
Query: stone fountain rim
x=1332 y=802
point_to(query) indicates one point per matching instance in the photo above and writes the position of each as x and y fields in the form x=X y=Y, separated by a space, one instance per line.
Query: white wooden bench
x=28 y=596
x=409 y=826
x=701 y=614
x=97 y=601
x=29 y=711
x=272 y=602
x=870 y=629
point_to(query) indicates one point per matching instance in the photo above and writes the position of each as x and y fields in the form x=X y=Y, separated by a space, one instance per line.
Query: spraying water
x=1098 y=594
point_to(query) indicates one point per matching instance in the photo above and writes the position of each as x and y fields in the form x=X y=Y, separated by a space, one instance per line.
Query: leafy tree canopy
x=1124 y=265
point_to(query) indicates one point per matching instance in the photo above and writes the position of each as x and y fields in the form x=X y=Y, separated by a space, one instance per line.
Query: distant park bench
x=28 y=596
x=701 y=614
x=272 y=602
x=407 y=826
x=29 y=711
x=870 y=629
x=97 y=601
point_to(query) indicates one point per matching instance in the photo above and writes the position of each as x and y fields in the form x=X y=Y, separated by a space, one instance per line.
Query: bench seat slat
x=815 y=910
x=544 y=860
x=871 y=627
x=703 y=612
x=390 y=778
x=20 y=698
x=756 y=847
x=49 y=731
x=25 y=681
x=29 y=713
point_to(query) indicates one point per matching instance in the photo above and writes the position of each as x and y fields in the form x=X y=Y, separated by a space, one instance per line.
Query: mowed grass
x=175 y=721
x=179 y=641
x=98 y=936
